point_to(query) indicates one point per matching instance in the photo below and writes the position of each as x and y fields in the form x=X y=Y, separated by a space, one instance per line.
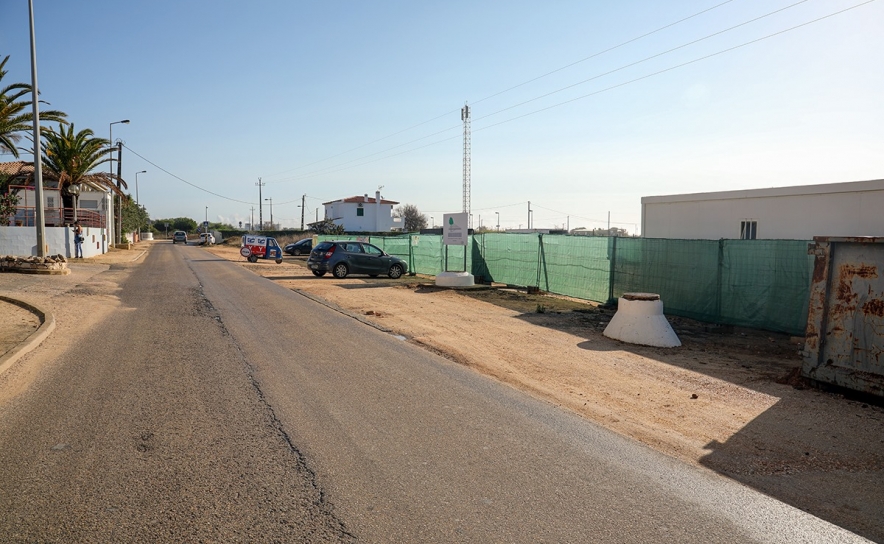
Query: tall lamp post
x=119 y=200
x=38 y=171
x=271 y=212
x=137 y=205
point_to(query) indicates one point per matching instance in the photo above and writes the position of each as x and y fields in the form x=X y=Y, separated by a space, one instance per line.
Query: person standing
x=78 y=240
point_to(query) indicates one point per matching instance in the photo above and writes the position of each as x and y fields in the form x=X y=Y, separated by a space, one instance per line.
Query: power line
x=155 y=165
x=608 y=50
x=682 y=65
x=646 y=59
x=357 y=162
x=594 y=55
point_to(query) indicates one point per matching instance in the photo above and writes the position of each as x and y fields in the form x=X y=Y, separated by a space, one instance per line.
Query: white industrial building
x=363 y=213
x=788 y=213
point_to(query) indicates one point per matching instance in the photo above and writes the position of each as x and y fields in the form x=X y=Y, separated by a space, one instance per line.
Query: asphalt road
x=214 y=405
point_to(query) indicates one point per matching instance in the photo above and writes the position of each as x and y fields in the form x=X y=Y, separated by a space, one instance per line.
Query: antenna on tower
x=465 y=117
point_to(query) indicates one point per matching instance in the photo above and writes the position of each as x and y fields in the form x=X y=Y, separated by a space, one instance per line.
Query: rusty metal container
x=845 y=321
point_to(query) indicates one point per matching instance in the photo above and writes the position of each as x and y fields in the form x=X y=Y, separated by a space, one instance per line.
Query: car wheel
x=318 y=273
x=340 y=271
x=253 y=258
x=296 y=253
x=395 y=272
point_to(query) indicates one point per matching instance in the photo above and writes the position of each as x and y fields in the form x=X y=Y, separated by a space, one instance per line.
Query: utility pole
x=252 y=219
x=260 y=204
x=529 y=214
x=303 y=202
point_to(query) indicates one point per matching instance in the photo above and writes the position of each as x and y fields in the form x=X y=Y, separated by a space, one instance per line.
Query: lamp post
x=119 y=200
x=38 y=172
x=136 y=185
x=271 y=212
x=498 y=221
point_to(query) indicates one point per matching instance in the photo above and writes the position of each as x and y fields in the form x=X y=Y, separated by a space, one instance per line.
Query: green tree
x=70 y=156
x=327 y=226
x=412 y=218
x=135 y=217
x=8 y=204
x=16 y=112
x=179 y=223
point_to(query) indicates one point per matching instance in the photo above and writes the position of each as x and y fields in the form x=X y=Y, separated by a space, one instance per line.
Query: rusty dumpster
x=844 y=343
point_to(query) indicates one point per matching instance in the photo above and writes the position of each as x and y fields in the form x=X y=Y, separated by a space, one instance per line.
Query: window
x=372 y=250
x=50 y=201
x=360 y=212
x=748 y=230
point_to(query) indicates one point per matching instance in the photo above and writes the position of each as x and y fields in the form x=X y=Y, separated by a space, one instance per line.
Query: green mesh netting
x=755 y=283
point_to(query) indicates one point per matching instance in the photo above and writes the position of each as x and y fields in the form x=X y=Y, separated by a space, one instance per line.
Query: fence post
x=613 y=244
x=718 y=280
x=540 y=257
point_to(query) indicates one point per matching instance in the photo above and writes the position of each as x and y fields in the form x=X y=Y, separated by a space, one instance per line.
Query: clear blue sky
x=335 y=98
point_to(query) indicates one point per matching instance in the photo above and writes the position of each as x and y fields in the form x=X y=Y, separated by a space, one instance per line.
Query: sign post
x=455 y=232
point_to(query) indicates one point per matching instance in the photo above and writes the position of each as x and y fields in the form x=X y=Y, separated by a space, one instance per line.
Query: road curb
x=47 y=325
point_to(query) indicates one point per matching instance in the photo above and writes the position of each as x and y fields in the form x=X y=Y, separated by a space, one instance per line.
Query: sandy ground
x=727 y=400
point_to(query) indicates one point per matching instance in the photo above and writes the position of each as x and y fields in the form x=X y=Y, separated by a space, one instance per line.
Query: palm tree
x=70 y=156
x=15 y=113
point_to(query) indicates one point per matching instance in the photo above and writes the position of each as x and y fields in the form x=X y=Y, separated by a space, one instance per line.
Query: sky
x=579 y=108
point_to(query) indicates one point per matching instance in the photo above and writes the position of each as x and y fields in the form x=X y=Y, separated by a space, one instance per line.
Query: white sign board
x=455 y=229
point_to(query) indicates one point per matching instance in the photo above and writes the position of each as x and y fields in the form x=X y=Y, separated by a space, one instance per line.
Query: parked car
x=203 y=238
x=301 y=247
x=348 y=257
x=179 y=236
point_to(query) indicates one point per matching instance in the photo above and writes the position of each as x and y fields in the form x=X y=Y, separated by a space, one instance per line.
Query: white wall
x=22 y=241
x=798 y=213
x=376 y=218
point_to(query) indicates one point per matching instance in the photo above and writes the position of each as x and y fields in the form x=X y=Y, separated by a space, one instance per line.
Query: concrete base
x=640 y=320
x=455 y=279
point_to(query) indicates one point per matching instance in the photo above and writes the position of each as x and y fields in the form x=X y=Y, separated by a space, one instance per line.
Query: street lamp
x=38 y=172
x=271 y=212
x=118 y=235
x=136 y=202
x=136 y=184
x=498 y=221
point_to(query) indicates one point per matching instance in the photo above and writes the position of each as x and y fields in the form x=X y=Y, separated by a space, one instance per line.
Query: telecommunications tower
x=465 y=117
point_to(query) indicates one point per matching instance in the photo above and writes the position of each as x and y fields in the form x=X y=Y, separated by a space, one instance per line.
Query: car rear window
x=324 y=246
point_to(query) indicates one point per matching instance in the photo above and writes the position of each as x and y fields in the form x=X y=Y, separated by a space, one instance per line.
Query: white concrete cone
x=640 y=320
x=455 y=279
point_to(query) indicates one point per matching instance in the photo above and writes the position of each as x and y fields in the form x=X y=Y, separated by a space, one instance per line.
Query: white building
x=790 y=213
x=363 y=214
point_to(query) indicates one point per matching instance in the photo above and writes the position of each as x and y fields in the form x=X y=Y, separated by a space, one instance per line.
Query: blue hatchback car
x=342 y=258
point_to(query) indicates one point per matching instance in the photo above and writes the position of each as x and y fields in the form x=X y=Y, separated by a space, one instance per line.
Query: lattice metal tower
x=467 y=137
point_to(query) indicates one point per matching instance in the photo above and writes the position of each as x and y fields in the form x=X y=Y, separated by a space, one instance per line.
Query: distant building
x=790 y=213
x=363 y=214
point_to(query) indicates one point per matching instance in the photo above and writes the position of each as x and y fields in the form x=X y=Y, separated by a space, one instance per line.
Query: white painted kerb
x=640 y=320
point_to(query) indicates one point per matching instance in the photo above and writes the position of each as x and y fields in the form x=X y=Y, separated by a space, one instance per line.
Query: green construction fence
x=762 y=284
